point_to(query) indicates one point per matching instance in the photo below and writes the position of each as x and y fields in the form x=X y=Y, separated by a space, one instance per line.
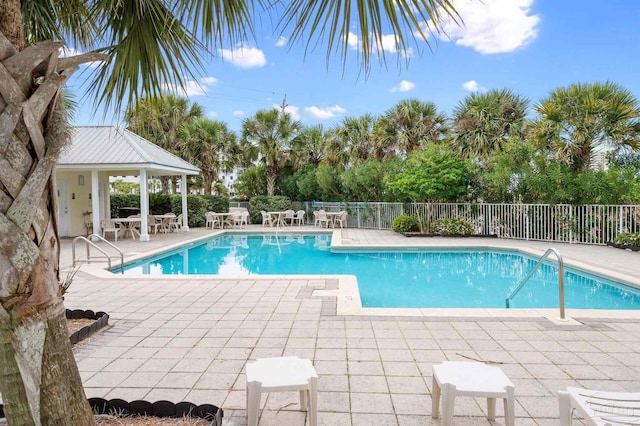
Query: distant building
x=229 y=180
x=599 y=160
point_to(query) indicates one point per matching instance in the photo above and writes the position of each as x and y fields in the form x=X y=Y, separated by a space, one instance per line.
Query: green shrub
x=159 y=203
x=405 y=223
x=628 y=239
x=122 y=200
x=269 y=204
x=198 y=205
x=451 y=226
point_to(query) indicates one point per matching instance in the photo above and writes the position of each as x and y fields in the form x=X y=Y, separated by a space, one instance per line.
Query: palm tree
x=355 y=135
x=272 y=133
x=309 y=147
x=484 y=122
x=208 y=144
x=144 y=46
x=573 y=120
x=162 y=120
x=407 y=127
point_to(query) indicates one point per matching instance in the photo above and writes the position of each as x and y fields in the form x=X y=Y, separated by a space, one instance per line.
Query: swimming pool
x=396 y=279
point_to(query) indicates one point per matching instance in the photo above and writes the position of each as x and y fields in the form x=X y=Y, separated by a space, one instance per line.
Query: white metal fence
x=589 y=224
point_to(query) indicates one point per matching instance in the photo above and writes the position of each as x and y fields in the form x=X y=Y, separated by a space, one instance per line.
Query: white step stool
x=282 y=374
x=452 y=378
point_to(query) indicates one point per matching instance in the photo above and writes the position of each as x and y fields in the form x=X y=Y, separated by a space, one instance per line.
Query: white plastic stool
x=282 y=374
x=453 y=378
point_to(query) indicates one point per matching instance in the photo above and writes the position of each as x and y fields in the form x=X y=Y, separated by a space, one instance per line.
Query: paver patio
x=180 y=338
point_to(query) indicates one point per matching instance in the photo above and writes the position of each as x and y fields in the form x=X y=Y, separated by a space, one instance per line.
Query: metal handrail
x=89 y=244
x=535 y=268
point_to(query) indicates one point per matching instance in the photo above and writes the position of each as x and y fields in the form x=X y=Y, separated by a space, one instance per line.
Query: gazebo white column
x=95 y=201
x=144 y=206
x=183 y=190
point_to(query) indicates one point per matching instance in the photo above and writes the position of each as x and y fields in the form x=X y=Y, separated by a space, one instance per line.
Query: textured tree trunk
x=271 y=182
x=39 y=378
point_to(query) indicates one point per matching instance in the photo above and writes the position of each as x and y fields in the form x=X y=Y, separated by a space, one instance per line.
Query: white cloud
x=403 y=86
x=281 y=41
x=245 y=57
x=473 y=86
x=388 y=44
x=492 y=26
x=211 y=81
x=212 y=114
x=352 y=40
x=192 y=88
x=324 y=113
x=238 y=113
x=293 y=111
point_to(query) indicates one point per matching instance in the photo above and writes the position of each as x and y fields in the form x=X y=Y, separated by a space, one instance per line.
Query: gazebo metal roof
x=114 y=148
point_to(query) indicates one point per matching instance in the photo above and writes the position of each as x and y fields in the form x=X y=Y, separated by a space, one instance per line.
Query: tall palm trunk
x=39 y=378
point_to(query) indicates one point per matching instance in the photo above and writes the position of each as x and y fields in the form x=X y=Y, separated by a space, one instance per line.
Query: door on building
x=64 y=214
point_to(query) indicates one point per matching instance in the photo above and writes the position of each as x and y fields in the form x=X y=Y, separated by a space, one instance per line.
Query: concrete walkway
x=180 y=338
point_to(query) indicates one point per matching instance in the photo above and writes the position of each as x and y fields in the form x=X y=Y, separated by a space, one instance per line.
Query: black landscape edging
x=123 y=408
x=101 y=320
x=424 y=234
x=623 y=246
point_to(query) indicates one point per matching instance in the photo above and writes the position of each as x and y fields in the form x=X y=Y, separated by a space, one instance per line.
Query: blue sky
x=528 y=46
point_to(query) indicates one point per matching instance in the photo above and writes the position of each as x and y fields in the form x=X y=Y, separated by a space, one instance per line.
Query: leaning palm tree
x=272 y=133
x=145 y=45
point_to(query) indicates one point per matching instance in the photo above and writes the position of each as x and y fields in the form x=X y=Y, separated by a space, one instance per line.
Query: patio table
x=278 y=217
x=164 y=221
x=129 y=225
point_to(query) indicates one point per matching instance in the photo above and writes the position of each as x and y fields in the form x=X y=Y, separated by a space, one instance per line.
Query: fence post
x=379 y=220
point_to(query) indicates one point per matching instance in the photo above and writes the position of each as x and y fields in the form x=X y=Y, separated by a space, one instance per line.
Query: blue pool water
x=397 y=279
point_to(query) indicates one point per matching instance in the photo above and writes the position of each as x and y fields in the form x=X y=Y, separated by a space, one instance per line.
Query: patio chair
x=109 y=226
x=235 y=219
x=245 y=217
x=289 y=215
x=175 y=224
x=602 y=408
x=211 y=219
x=322 y=217
x=266 y=218
x=341 y=219
x=315 y=218
x=153 y=224
x=299 y=219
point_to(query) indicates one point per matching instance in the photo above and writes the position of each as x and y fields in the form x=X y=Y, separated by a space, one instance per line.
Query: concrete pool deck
x=189 y=338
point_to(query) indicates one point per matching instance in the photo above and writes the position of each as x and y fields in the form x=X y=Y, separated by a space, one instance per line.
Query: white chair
x=175 y=224
x=108 y=226
x=266 y=218
x=342 y=219
x=289 y=215
x=153 y=224
x=323 y=218
x=299 y=219
x=282 y=374
x=603 y=408
x=211 y=219
x=245 y=218
x=315 y=218
x=453 y=378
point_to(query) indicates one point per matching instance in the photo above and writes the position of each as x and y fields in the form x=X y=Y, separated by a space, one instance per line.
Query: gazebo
x=95 y=154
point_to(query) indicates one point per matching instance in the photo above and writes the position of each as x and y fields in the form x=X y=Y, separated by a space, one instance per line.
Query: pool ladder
x=89 y=244
x=534 y=269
